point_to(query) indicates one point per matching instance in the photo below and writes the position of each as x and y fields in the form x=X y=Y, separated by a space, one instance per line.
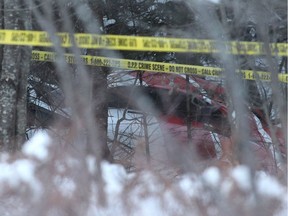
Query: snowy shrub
x=64 y=182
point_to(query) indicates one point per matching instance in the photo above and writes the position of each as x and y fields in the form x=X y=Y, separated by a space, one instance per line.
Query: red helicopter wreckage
x=163 y=98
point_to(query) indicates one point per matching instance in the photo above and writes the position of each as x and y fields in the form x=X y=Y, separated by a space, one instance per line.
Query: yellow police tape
x=153 y=66
x=139 y=43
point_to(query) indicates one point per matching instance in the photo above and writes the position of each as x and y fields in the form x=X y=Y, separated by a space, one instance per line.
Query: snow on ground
x=37 y=146
x=46 y=181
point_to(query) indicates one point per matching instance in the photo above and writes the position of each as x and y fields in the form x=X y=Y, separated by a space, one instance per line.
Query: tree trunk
x=99 y=88
x=101 y=108
x=1 y=27
x=13 y=79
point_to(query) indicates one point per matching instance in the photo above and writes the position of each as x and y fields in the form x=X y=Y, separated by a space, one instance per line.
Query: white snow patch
x=131 y=23
x=72 y=162
x=269 y=186
x=4 y=157
x=150 y=206
x=21 y=171
x=60 y=167
x=8 y=175
x=226 y=187
x=114 y=177
x=242 y=177
x=233 y=115
x=65 y=185
x=172 y=202
x=214 y=1
x=38 y=145
x=189 y=187
x=108 y=22
x=212 y=176
x=147 y=194
x=91 y=162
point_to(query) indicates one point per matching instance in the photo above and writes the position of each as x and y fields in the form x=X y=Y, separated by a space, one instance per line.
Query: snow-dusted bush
x=50 y=179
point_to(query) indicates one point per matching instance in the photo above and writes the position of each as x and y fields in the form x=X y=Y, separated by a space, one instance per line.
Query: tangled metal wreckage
x=162 y=100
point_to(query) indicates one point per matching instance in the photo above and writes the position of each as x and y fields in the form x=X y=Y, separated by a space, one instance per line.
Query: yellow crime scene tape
x=139 y=43
x=128 y=64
